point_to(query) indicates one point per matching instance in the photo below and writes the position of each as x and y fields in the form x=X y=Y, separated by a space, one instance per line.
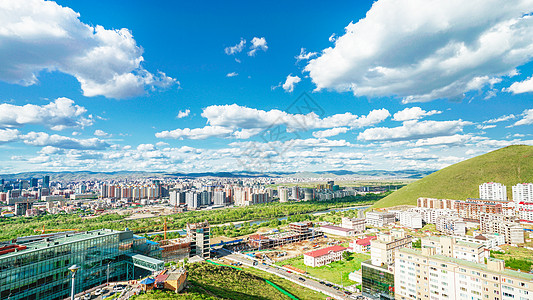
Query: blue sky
x=94 y=85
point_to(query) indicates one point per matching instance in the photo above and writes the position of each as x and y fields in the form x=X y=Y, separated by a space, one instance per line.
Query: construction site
x=294 y=249
x=296 y=232
x=195 y=243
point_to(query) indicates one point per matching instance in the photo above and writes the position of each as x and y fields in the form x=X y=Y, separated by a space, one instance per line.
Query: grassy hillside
x=208 y=282
x=509 y=165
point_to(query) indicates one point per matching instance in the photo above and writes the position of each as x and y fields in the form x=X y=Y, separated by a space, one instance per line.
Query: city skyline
x=183 y=87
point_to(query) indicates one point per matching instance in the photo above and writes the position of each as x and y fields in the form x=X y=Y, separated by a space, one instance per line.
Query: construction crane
x=164 y=227
x=43 y=230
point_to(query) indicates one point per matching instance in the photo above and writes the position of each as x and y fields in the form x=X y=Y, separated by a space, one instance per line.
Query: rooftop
x=49 y=240
x=325 y=251
x=365 y=241
x=336 y=228
x=482 y=267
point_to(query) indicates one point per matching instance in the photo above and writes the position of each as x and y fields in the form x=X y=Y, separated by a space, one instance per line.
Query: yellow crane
x=43 y=230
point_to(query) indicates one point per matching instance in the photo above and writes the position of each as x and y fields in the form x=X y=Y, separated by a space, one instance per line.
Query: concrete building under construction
x=297 y=232
x=175 y=249
x=196 y=243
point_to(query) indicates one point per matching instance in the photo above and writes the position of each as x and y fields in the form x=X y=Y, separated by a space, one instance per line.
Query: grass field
x=291 y=287
x=509 y=166
x=331 y=272
x=209 y=281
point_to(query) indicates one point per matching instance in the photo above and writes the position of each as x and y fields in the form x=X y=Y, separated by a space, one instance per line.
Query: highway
x=294 y=277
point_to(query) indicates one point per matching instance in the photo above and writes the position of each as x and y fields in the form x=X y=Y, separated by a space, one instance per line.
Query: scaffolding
x=297 y=232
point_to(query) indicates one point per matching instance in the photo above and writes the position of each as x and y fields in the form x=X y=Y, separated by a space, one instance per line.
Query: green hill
x=509 y=166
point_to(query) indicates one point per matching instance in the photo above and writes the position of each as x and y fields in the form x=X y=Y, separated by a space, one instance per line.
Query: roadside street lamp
x=107 y=284
x=73 y=269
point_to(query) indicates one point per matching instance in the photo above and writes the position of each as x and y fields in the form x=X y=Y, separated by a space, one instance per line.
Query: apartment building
x=411 y=219
x=473 y=209
x=436 y=203
x=504 y=225
x=492 y=191
x=357 y=224
x=379 y=219
x=384 y=246
x=451 y=225
x=361 y=245
x=523 y=192
x=430 y=215
x=452 y=247
x=424 y=274
x=324 y=256
x=489 y=240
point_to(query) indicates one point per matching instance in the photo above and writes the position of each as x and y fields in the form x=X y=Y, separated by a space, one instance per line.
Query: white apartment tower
x=523 y=192
x=493 y=191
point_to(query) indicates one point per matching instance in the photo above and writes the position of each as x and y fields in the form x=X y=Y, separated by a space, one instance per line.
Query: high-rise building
x=492 y=191
x=46 y=181
x=283 y=194
x=219 y=198
x=34 y=182
x=193 y=200
x=295 y=193
x=523 y=192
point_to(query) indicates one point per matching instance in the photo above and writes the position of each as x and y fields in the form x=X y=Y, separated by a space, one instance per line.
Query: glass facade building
x=378 y=281
x=37 y=267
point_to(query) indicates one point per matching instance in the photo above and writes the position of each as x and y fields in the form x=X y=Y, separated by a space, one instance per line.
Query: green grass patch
x=208 y=281
x=291 y=287
x=331 y=272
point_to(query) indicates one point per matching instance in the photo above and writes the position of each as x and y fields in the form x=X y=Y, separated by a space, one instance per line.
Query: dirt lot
x=300 y=248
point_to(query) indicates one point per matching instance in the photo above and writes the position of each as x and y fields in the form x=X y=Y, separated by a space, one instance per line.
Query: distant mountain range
x=133 y=175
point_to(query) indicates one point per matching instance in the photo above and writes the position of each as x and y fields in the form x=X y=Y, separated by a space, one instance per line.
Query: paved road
x=294 y=277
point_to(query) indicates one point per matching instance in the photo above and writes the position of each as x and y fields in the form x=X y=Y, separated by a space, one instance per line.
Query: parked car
x=300 y=278
x=98 y=292
x=87 y=296
x=322 y=282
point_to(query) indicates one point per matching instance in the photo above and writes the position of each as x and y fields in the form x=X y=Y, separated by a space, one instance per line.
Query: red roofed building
x=324 y=256
x=361 y=245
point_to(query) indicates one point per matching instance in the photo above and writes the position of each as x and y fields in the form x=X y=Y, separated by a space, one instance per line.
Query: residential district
x=476 y=248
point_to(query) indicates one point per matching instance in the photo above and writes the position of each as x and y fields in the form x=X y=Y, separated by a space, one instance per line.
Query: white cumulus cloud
x=63 y=142
x=235 y=121
x=232 y=74
x=101 y=133
x=184 y=113
x=235 y=49
x=56 y=115
x=39 y=35
x=527 y=118
x=411 y=130
x=304 y=55
x=290 y=82
x=521 y=87
x=330 y=132
x=8 y=135
x=421 y=50
x=257 y=44
x=413 y=113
